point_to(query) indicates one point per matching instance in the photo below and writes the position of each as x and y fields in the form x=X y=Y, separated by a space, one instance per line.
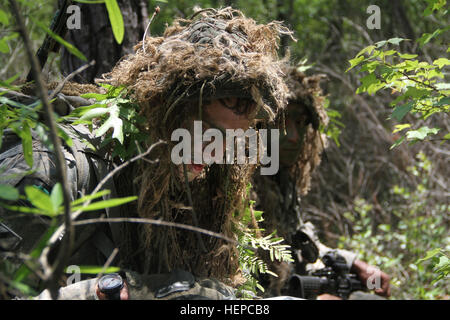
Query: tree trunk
x=96 y=40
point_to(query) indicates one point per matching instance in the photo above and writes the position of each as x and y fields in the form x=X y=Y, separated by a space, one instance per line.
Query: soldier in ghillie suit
x=278 y=196
x=219 y=67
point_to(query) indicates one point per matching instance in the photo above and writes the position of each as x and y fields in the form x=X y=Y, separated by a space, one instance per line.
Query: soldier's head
x=218 y=67
x=302 y=145
x=220 y=114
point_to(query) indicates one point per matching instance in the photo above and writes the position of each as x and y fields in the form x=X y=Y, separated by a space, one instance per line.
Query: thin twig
x=162 y=223
x=148 y=27
x=54 y=273
x=108 y=262
x=75 y=215
x=69 y=77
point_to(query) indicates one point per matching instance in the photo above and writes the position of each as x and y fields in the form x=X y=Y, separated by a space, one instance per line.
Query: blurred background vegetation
x=391 y=206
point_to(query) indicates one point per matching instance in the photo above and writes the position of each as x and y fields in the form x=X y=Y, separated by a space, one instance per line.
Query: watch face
x=110 y=283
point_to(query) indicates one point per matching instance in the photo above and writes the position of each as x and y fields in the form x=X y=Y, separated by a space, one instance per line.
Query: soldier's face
x=291 y=144
x=216 y=115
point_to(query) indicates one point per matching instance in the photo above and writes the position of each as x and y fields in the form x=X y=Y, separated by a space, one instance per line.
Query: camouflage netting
x=217 y=54
x=305 y=92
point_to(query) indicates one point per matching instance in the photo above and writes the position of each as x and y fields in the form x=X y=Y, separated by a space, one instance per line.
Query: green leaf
x=400 y=127
x=380 y=43
x=25 y=209
x=94 y=113
x=96 y=96
x=387 y=53
x=7 y=83
x=442 y=86
x=434 y=5
x=24 y=288
x=80 y=111
x=105 y=204
x=96 y=269
x=4 y=48
x=8 y=192
x=370 y=66
x=63 y=134
x=443 y=263
x=402 y=110
x=397 y=142
x=354 y=62
x=370 y=84
x=427 y=37
x=407 y=56
x=39 y=199
x=421 y=133
x=4 y=20
x=368 y=49
x=396 y=41
x=4 y=100
x=56 y=197
x=113 y=122
x=27 y=142
x=441 y=62
x=70 y=47
x=430 y=254
x=90 y=197
x=116 y=19
x=417 y=93
x=384 y=227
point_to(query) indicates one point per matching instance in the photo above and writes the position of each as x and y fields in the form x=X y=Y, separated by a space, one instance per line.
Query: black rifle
x=334 y=279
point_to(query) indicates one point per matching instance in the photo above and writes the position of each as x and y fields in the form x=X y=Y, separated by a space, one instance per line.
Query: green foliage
x=50 y=205
x=334 y=127
x=96 y=269
x=250 y=239
x=441 y=263
x=418 y=225
x=419 y=87
x=115 y=118
x=116 y=19
x=70 y=47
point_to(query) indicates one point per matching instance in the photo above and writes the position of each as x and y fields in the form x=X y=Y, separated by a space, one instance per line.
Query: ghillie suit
x=278 y=196
x=305 y=97
x=218 y=54
x=305 y=93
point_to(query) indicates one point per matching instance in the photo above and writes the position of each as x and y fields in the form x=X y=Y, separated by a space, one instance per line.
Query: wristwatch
x=110 y=285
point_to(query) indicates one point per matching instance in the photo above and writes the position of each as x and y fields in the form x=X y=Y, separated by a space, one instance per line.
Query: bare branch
x=64 y=252
x=161 y=223
x=69 y=77
x=108 y=262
